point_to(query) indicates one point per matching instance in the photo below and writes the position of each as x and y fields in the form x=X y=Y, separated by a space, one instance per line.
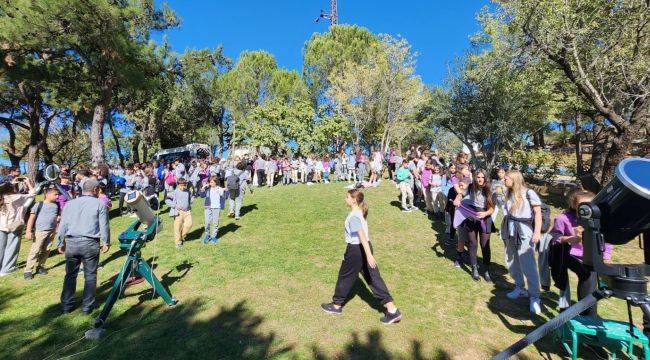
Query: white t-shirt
x=353 y=223
x=524 y=211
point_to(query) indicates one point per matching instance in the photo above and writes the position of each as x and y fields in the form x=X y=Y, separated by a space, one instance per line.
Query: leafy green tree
x=602 y=47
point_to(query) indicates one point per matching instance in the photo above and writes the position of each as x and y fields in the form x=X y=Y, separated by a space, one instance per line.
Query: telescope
x=132 y=240
x=618 y=214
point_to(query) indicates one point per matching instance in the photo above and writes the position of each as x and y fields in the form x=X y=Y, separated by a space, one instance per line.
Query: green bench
x=612 y=335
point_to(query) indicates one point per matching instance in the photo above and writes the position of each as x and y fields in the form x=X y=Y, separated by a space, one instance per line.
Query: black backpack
x=546 y=214
x=232 y=182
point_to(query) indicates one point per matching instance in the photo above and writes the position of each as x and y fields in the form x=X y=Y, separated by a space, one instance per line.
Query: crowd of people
x=74 y=214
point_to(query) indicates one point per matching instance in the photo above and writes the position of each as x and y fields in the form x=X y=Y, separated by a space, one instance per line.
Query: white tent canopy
x=193 y=149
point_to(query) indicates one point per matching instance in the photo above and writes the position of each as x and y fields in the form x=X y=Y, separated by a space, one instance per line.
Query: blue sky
x=437 y=30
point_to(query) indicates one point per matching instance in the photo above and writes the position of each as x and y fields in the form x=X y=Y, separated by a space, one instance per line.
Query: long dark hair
x=357 y=195
x=486 y=189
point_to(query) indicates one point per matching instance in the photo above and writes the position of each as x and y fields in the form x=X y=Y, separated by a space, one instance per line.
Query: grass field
x=257 y=294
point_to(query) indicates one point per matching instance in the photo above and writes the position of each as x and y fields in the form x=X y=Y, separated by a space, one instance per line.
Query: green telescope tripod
x=133 y=240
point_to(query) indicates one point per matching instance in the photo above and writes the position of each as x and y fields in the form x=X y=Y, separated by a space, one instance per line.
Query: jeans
x=212 y=222
x=286 y=177
x=9 y=247
x=260 y=177
x=80 y=251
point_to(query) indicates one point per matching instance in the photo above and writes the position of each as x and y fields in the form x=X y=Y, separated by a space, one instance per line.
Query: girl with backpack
x=521 y=230
x=359 y=258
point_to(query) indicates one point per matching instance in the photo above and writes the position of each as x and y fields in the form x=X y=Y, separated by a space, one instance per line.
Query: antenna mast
x=332 y=16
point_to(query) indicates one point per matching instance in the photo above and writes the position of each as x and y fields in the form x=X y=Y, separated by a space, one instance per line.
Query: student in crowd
x=376 y=166
x=438 y=198
x=361 y=166
x=129 y=185
x=521 y=231
x=285 y=164
x=404 y=179
x=474 y=222
x=180 y=208
x=271 y=170
x=318 y=170
x=103 y=197
x=359 y=258
x=237 y=183
x=260 y=165
x=326 y=169
x=295 y=165
x=83 y=230
x=450 y=209
x=12 y=206
x=425 y=180
x=214 y=195
x=499 y=193
x=391 y=164
x=351 y=167
x=566 y=253
x=456 y=193
x=41 y=226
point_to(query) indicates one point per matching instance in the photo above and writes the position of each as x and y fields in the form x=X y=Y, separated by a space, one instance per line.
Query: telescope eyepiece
x=588 y=211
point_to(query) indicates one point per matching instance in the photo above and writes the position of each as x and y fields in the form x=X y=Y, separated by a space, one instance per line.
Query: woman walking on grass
x=358 y=258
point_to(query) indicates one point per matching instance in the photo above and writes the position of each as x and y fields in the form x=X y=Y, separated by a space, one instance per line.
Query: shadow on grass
x=513 y=313
x=372 y=347
x=175 y=333
x=247 y=208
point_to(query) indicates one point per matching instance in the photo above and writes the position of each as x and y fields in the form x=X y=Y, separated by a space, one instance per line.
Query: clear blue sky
x=438 y=30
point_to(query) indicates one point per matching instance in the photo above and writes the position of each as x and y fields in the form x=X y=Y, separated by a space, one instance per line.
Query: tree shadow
x=372 y=347
x=247 y=208
x=232 y=332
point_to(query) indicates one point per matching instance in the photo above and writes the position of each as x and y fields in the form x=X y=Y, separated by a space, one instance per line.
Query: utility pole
x=332 y=16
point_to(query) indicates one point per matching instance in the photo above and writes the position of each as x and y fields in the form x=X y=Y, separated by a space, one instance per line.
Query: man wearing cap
x=84 y=226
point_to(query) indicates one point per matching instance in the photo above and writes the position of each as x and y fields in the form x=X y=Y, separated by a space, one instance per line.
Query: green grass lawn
x=257 y=294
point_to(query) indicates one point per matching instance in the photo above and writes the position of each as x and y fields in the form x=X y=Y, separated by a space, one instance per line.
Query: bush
x=541 y=163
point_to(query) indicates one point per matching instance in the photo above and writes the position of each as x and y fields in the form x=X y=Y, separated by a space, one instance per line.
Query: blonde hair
x=514 y=193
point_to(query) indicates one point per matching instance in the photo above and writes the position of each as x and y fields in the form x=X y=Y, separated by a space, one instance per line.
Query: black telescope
x=618 y=214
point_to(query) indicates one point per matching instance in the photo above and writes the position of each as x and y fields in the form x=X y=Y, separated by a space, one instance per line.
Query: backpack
x=170 y=179
x=232 y=182
x=546 y=214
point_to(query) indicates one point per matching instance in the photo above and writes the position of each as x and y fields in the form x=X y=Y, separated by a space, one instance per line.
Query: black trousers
x=86 y=252
x=391 y=170
x=587 y=282
x=476 y=236
x=260 y=177
x=355 y=262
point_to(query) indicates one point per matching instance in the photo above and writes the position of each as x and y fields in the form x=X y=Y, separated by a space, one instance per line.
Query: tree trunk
x=601 y=141
x=145 y=151
x=99 y=117
x=135 y=144
x=578 y=145
x=118 y=147
x=621 y=145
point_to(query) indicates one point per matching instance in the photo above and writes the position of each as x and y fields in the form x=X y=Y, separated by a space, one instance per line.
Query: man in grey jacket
x=84 y=226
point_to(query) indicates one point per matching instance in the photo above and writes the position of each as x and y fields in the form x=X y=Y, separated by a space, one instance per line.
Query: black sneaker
x=42 y=271
x=331 y=309
x=389 y=318
x=28 y=275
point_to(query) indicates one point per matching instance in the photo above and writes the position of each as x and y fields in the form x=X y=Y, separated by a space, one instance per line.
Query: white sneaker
x=517 y=293
x=535 y=306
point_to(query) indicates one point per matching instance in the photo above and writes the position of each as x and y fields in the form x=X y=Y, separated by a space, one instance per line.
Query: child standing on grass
x=404 y=180
x=214 y=195
x=359 y=258
x=41 y=227
x=180 y=204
